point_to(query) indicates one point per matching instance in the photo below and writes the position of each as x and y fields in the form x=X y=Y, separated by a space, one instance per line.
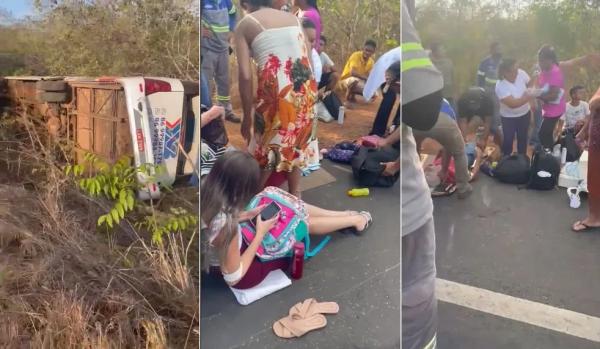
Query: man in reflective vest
x=218 y=19
x=487 y=76
x=421 y=97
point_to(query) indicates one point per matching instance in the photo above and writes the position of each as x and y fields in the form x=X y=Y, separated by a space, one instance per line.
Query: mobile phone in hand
x=268 y=212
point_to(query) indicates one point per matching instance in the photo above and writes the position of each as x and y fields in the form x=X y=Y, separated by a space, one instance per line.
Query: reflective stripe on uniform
x=479 y=72
x=222 y=98
x=490 y=81
x=432 y=344
x=413 y=56
x=220 y=28
x=415 y=63
x=412 y=46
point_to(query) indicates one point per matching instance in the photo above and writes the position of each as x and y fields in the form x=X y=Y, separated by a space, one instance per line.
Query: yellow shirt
x=357 y=62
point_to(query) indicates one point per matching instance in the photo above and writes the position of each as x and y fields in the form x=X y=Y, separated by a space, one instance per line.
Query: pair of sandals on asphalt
x=304 y=317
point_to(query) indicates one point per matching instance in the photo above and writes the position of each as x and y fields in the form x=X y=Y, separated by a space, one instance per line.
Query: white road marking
x=517 y=309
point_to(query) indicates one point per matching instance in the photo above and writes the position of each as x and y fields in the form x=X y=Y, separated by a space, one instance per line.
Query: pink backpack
x=291 y=227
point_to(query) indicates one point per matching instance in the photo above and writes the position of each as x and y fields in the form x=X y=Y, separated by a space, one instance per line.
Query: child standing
x=577 y=111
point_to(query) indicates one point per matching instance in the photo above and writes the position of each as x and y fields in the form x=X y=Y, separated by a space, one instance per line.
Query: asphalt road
x=361 y=274
x=517 y=243
x=513 y=242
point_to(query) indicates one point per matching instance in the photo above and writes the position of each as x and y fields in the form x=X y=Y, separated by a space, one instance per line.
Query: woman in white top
x=515 y=105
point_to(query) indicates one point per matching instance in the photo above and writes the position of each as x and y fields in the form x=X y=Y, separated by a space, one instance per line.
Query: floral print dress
x=285 y=99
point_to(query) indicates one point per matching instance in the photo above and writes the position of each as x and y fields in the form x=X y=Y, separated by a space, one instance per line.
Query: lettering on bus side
x=173 y=131
x=158 y=138
x=140 y=139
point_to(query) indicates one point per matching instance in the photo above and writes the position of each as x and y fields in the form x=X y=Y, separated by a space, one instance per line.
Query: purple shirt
x=313 y=15
x=553 y=77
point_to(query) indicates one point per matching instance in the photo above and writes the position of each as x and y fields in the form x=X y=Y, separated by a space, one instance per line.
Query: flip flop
x=289 y=327
x=369 y=219
x=311 y=307
x=366 y=215
x=586 y=228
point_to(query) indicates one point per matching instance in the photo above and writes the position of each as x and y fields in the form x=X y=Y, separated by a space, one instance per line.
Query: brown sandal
x=311 y=307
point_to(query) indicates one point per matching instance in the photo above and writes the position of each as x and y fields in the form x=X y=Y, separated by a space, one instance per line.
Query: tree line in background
x=103 y=37
x=347 y=24
x=467 y=27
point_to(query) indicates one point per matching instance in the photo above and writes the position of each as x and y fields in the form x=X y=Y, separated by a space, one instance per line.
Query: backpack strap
x=311 y=253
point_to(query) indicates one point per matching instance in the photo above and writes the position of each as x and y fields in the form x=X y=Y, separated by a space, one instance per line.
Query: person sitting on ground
x=386 y=70
x=577 y=111
x=357 y=69
x=446 y=132
x=228 y=188
x=475 y=111
x=209 y=152
x=329 y=76
x=390 y=90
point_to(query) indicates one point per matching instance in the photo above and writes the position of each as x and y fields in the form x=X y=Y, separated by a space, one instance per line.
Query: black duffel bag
x=513 y=169
x=367 y=166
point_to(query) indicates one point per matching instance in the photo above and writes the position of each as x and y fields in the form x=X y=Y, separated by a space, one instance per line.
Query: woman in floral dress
x=278 y=123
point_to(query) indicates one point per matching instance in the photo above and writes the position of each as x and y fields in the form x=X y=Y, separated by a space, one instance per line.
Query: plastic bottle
x=341 y=112
x=358 y=192
x=556 y=152
x=297 y=260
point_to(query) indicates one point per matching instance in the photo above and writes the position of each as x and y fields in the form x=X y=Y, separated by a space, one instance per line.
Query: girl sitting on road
x=228 y=188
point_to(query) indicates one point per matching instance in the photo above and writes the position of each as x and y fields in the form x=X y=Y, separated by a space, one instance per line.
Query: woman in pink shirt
x=552 y=82
x=310 y=10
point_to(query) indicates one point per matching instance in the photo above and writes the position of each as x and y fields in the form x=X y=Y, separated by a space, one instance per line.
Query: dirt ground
x=357 y=122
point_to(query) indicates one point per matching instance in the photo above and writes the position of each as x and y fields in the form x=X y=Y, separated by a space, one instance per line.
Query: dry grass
x=64 y=285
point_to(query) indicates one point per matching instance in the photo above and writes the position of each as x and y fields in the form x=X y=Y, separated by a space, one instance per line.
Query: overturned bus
x=152 y=120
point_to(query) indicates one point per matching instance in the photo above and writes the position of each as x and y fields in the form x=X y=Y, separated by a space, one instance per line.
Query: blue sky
x=18 y=8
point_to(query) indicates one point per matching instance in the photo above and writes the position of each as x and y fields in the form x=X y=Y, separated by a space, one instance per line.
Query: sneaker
x=574 y=199
x=233 y=118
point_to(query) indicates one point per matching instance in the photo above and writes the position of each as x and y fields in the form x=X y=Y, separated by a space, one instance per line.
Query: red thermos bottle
x=298 y=260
